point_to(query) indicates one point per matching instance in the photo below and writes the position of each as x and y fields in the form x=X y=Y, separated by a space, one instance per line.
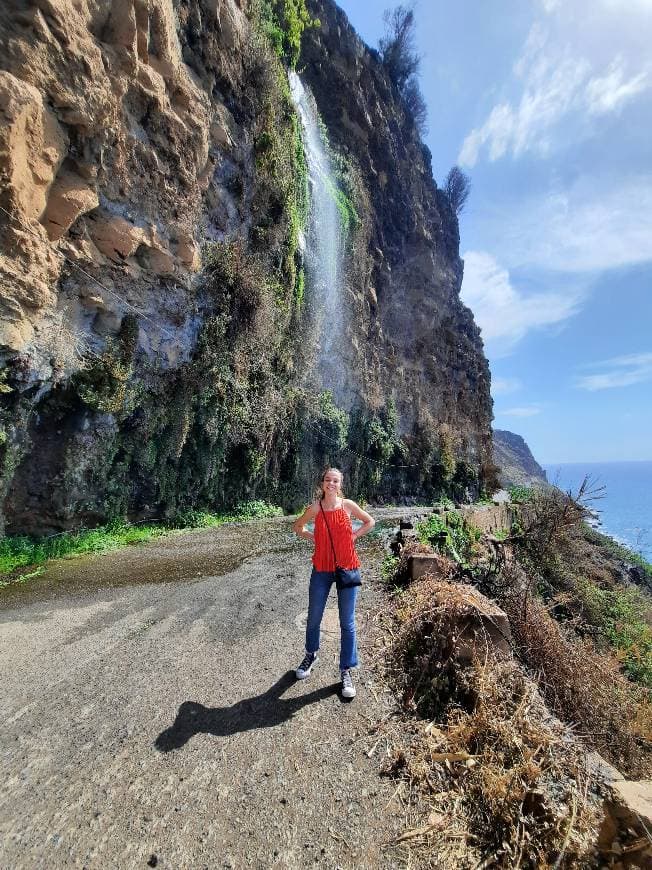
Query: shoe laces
x=308 y=659
x=347 y=681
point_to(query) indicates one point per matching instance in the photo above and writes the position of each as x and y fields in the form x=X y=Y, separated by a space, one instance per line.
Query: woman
x=334 y=541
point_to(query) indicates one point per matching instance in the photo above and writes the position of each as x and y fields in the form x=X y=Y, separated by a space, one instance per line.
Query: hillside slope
x=517 y=465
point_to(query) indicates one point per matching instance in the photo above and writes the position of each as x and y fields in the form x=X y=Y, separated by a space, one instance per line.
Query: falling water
x=323 y=249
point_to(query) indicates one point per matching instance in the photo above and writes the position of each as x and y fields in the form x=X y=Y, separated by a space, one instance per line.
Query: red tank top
x=341 y=531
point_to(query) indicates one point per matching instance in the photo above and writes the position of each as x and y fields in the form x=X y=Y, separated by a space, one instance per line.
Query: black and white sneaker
x=348 y=689
x=309 y=660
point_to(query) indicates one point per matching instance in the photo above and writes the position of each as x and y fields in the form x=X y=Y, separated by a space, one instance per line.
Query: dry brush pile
x=499 y=742
x=506 y=781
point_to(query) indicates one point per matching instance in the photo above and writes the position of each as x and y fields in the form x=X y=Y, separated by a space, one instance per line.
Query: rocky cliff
x=156 y=339
x=517 y=466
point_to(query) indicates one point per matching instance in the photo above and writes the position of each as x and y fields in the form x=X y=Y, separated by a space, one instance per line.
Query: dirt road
x=151 y=716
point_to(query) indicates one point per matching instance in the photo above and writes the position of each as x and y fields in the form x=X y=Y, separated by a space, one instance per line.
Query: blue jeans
x=320 y=586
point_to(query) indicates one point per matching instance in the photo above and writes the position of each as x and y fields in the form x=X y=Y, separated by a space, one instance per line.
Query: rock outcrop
x=514 y=458
x=156 y=349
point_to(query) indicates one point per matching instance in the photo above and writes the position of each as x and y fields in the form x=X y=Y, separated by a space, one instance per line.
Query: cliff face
x=409 y=335
x=517 y=466
x=152 y=146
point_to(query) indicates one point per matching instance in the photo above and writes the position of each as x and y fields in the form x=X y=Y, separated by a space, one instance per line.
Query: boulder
x=479 y=625
x=627 y=822
x=32 y=145
x=427 y=563
x=70 y=196
x=115 y=236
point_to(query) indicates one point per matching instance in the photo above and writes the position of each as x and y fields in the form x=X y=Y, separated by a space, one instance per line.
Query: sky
x=547 y=106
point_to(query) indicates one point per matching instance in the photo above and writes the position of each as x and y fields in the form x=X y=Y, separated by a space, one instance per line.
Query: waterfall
x=324 y=242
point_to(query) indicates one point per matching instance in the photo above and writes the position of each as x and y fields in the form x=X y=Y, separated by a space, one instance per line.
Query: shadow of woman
x=261 y=711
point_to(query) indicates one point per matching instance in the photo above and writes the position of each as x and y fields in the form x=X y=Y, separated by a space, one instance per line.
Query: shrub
x=457 y=187
x=389 y=566
x=619 y=551
x=397 y=47
x=374 y=444
x=283 y=22
x=402 y=62
x=105 y=382
x=623 y=617
x=450 y=535
x=520 y=493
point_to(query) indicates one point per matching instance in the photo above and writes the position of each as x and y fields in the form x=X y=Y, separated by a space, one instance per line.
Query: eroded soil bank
x=151 y=714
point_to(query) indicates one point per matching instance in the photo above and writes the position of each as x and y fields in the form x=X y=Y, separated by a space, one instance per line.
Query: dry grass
x=579 y=637
x=506 y=782
x=582 y=686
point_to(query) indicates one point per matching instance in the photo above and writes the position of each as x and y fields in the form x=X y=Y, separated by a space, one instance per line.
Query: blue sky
x=547 y=105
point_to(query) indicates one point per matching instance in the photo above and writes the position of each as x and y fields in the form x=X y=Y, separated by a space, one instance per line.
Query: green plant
x=349 y=218
x=521 y=494
x=623 y=616
x=300 y=287
x=451 y=535
x=283 y=22
x=446 y=455
x=618 y=550
x=389 y=566
x=105 y=382
x=4 y=386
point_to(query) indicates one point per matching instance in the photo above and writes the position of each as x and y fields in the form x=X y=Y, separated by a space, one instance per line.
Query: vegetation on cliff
x=283 y=22
x=398 y=53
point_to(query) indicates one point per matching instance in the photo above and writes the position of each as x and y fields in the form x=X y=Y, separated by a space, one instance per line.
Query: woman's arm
x=368 y=522
x=298 y=526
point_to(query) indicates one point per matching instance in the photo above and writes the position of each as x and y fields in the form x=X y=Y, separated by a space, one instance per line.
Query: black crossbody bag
x=344 y=577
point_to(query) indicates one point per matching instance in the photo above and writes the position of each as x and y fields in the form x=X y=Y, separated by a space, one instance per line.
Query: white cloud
x=504 y=314
x=572 y=70
x=609 y=92
x=620 y=371
x=505 y=386
x=586 y=227
x=524 y=411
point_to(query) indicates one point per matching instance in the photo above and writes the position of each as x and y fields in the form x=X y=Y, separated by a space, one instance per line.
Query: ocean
x=625 y=511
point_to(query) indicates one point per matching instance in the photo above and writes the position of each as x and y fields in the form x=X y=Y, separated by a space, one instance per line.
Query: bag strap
x=330 y=537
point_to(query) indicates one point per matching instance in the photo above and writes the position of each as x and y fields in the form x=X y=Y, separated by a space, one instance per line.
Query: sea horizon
x=593 y=462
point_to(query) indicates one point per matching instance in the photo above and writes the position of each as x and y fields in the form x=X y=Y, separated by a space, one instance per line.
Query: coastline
x=624 y=508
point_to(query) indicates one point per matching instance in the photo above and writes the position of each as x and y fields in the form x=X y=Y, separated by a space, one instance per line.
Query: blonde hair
x=320 y=486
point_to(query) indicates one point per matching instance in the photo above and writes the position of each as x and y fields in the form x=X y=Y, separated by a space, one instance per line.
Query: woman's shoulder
x=352 y=507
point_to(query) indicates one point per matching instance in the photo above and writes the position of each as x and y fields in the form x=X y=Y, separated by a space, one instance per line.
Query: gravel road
x=151 y=715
